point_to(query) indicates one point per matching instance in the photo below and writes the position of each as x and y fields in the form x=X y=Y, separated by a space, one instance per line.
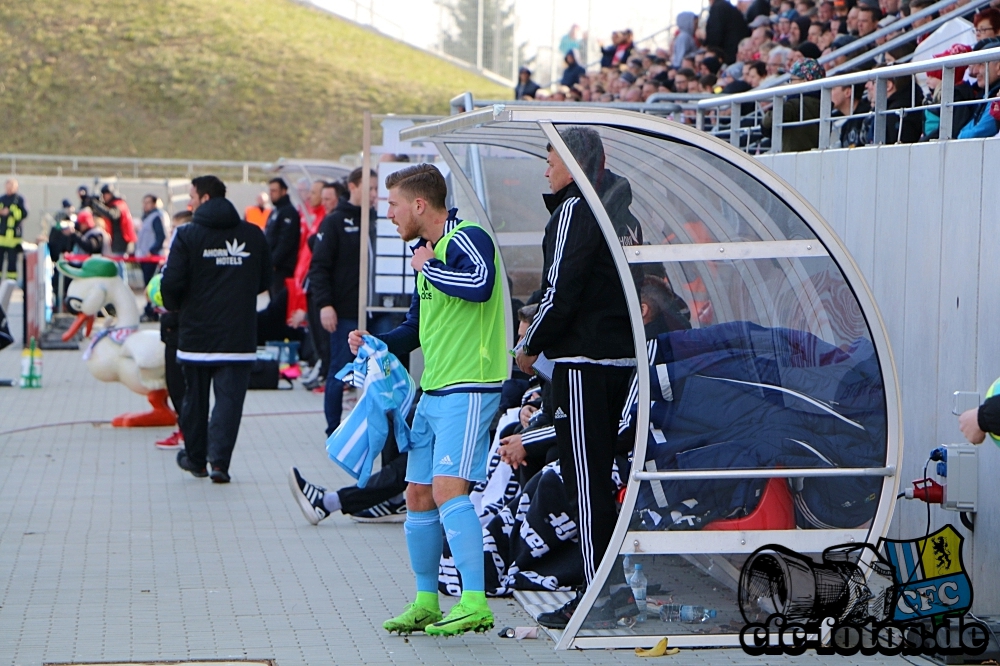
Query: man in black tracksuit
x=282 y=232
x=333 y=284
x=582 y=326
x=217 y=266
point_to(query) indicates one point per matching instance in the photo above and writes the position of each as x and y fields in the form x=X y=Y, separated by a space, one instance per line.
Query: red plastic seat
x=775 y=511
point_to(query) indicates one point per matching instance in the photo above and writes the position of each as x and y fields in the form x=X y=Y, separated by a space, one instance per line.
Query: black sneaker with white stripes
x=308 y=496
x=383 y=512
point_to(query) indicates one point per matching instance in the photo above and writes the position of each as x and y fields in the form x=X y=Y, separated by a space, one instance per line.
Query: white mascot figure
x=120 y=352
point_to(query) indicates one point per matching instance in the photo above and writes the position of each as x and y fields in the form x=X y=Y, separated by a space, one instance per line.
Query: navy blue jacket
x=468 y=273
x=741 y=395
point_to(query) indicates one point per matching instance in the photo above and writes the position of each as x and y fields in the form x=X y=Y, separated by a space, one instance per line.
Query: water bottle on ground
x=627 y=566
x=31 y=367
x=638 y=585
x=670 y=612
x=696 y=614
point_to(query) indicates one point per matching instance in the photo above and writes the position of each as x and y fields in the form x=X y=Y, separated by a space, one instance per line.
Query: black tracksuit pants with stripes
x=588 y=406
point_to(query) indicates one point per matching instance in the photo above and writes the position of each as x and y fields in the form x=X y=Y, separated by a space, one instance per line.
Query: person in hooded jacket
x=684 y=43
x=583 y=327
x=333 y=282
x=217 y=266
x=574 y=70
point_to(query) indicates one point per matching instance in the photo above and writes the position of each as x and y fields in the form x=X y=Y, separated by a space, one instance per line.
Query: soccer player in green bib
x=457 y=318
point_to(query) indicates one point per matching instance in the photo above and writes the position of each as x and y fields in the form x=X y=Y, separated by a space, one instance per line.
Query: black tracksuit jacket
x=583 y=312
x=216 y=267
x=282 y=232
x=335 y=267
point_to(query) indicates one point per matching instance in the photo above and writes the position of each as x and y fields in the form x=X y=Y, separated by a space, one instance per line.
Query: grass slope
x=211 y=79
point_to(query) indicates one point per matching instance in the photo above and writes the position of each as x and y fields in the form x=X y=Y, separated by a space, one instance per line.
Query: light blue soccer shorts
x=451 y=436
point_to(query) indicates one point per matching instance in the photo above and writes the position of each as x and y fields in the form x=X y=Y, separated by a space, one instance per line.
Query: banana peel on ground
x=658 y=650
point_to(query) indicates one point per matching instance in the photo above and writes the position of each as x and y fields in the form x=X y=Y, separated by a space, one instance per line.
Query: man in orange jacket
x=258 y=214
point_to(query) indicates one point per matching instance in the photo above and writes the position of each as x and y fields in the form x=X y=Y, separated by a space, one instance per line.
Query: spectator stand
x=762 y=255
x=748 y=138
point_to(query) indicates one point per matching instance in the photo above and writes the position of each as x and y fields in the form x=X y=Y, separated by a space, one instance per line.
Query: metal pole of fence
x=734 y=124
x=824 y=118
x=777 y=118
x=947 y=98
x=880 y=104
x=246 y=173
x=366 y=162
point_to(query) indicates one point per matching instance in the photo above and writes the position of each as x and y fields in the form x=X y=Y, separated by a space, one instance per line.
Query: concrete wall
x=921 y=221
x=44 y=194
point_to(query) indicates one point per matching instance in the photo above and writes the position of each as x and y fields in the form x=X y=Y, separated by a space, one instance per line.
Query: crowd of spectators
x=738 y=48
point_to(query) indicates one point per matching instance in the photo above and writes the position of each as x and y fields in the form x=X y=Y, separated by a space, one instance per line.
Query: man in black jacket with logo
x=282 y=232
x=217 y=266
x=333 y=282
x=583 y=327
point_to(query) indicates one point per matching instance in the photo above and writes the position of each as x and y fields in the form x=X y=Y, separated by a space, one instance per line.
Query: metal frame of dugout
x=754 y=231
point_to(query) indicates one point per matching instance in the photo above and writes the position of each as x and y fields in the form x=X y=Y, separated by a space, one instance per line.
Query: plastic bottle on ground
x=696 y=614
x=627 y=566
x=31 y=366
x=638 y=585
x=670 y=612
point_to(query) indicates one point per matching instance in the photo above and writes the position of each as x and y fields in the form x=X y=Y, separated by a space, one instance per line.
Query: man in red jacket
x=311 y=213
x=113 y=208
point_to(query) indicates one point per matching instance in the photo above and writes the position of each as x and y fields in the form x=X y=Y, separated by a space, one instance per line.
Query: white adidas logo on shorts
x=560 y=414
x=445 y=461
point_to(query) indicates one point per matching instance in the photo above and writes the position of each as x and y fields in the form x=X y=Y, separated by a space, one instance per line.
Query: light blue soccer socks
x=465 y=536
x=423 y=540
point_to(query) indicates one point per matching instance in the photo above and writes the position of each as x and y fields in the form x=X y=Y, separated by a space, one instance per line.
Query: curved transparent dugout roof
x=769 y=409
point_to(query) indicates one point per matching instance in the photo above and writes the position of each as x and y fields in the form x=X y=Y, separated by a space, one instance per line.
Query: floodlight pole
x=479 y=36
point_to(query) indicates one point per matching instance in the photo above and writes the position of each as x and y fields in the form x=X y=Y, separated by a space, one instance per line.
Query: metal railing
x=724 y=117
x=680 y=107
x=131 y=167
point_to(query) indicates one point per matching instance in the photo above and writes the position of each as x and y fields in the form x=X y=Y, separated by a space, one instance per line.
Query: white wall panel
x=889 y=216
x=859 y=195
x=832 y=202
x=783 y=165
x=985 y=560
x=920 y=320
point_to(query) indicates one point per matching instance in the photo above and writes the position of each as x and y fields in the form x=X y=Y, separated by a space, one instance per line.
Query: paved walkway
x=108 y=552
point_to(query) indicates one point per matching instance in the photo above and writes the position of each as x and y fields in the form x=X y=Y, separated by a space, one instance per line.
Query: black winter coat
x=725 y=28
x=282 y=232
x=583 y=312
x=526 y=90
x=335 y=267
x=912 y=126
x=216 y=267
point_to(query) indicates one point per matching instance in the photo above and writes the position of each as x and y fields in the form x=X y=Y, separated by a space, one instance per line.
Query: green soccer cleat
x=462 y=619
x=414 y=618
